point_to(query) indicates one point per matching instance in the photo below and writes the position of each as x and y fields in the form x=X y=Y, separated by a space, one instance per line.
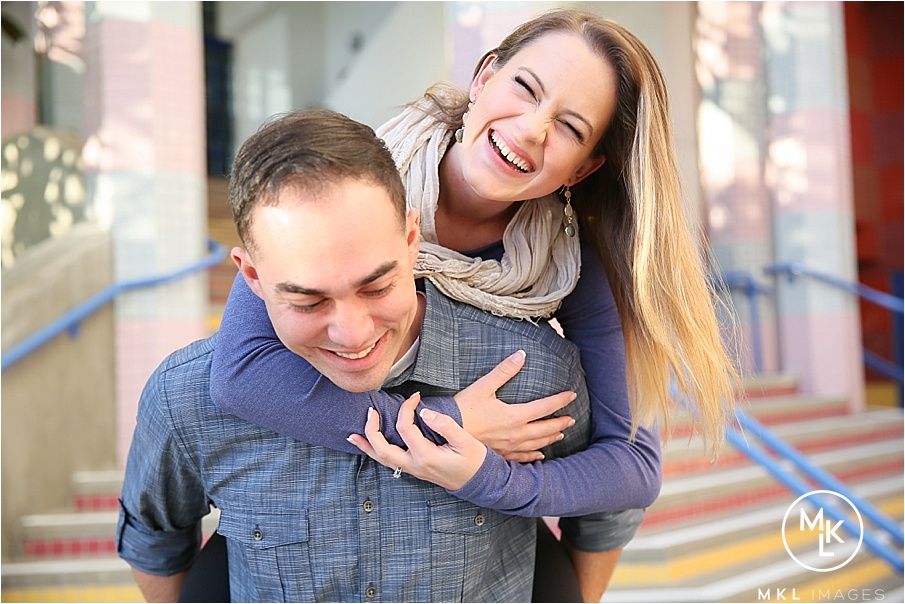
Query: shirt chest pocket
x=465 y=549
x=268 y=554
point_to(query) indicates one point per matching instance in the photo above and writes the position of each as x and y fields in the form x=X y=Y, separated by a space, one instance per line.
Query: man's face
x=335 y=272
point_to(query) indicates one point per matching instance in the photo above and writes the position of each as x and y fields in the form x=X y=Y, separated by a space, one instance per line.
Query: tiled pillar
x=731 y=129
x=776 y=170
x=19 y=105
x=809 y=173
x=145 y=159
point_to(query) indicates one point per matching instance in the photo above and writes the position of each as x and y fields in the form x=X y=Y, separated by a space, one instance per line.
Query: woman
x=570 y=102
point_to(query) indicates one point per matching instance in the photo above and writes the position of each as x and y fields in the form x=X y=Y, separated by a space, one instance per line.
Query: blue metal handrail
x=819 y=476
x=797 y=269
x=741 y=280
x=71 y=320
x=893 y=303
x=745 y=281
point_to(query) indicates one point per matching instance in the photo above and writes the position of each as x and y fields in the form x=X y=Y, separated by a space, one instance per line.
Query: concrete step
x=693 y=563
x=770 y=409
x=715 y=533
x=73 y=571
x=681 y=549
x=768 y=384
x=869 y=578
x=88 y=534
x=792 y=407
x=97 y=490
x=730 y=491
x=683 y=455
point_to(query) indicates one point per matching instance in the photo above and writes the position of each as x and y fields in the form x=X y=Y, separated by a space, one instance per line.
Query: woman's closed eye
x=521 y=82
x=574 y=131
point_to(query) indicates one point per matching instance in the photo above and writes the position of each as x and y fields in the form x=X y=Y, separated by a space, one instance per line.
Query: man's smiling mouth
x=356 y=355
x=508 y=154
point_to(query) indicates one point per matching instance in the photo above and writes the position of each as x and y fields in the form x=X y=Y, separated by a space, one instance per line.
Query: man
x=330 y=247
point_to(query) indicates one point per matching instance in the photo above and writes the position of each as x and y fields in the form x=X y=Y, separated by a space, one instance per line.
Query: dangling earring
x=460 y=133
x=568 y=213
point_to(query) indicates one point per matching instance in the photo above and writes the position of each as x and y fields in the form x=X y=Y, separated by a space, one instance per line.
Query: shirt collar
x=437 y=363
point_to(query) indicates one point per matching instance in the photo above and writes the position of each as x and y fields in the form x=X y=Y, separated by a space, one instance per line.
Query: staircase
x=714 y=535
x=70 y=556
x=715 y=532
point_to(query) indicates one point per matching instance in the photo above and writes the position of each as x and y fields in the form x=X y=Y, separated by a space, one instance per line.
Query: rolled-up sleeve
x=163 y=499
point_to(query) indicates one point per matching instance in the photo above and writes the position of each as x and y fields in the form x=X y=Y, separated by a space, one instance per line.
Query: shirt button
x=479 y=520
x=371 y=591
x=368 y=506
x=257 y=534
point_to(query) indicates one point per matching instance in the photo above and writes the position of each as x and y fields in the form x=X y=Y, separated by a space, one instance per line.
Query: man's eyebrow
x=540 y=85
x=294 y=288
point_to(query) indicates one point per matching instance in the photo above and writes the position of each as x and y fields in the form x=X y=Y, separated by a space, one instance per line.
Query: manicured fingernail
x=561 y=436
x=573 y=397
x=518 y=356
x=571 y=422
x=428 y=414
x=370 y=412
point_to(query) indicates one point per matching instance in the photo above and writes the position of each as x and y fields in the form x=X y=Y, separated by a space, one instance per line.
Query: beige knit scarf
x=540 y=264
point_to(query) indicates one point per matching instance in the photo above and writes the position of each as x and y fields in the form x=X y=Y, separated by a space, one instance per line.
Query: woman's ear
x=591 y=165
x=484 y=74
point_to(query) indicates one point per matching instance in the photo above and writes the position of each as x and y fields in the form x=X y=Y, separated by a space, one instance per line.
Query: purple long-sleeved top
x=258 y=379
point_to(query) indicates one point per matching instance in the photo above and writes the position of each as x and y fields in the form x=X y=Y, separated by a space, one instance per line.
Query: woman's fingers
x=375 y=446
x=405 y=421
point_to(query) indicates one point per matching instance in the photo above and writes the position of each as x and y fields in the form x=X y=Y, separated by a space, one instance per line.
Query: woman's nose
x=533 y=126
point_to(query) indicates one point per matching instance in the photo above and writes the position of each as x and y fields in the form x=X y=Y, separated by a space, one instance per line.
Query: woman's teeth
x=509 y=154
x=356 y=355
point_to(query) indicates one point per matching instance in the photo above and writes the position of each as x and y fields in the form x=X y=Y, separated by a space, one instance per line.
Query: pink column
x=145 y=151
x=19 y=106
x=731 y=133
x=810 y=176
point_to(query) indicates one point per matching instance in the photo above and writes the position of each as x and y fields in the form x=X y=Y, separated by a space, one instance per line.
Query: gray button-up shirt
x=306 y=523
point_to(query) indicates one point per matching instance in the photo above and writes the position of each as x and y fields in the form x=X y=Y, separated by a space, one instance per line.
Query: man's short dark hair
x=312 y=149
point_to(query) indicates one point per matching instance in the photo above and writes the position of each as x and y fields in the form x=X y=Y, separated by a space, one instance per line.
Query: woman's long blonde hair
x=632 y=211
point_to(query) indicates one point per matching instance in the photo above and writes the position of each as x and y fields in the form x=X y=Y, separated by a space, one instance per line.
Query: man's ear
x=591 y=165
x=413 y=233
x=245 y=265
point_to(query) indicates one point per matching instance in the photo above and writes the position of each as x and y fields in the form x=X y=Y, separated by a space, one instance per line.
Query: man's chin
x=356 y=382
x=351 y=379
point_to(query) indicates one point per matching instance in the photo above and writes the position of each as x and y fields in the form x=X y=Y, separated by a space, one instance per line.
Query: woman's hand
x=449 y=466
x=514 y=431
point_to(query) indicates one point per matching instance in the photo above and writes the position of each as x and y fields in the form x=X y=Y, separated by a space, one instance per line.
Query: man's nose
x=352 y=326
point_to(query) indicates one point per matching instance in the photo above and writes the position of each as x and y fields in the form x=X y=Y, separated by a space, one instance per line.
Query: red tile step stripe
x=777 y=417
x=655 y=517
x=62 y=547
x=96 y=502
x=733 y=457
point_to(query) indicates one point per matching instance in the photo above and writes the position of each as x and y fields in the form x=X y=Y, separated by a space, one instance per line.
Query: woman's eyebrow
x=540 y=85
